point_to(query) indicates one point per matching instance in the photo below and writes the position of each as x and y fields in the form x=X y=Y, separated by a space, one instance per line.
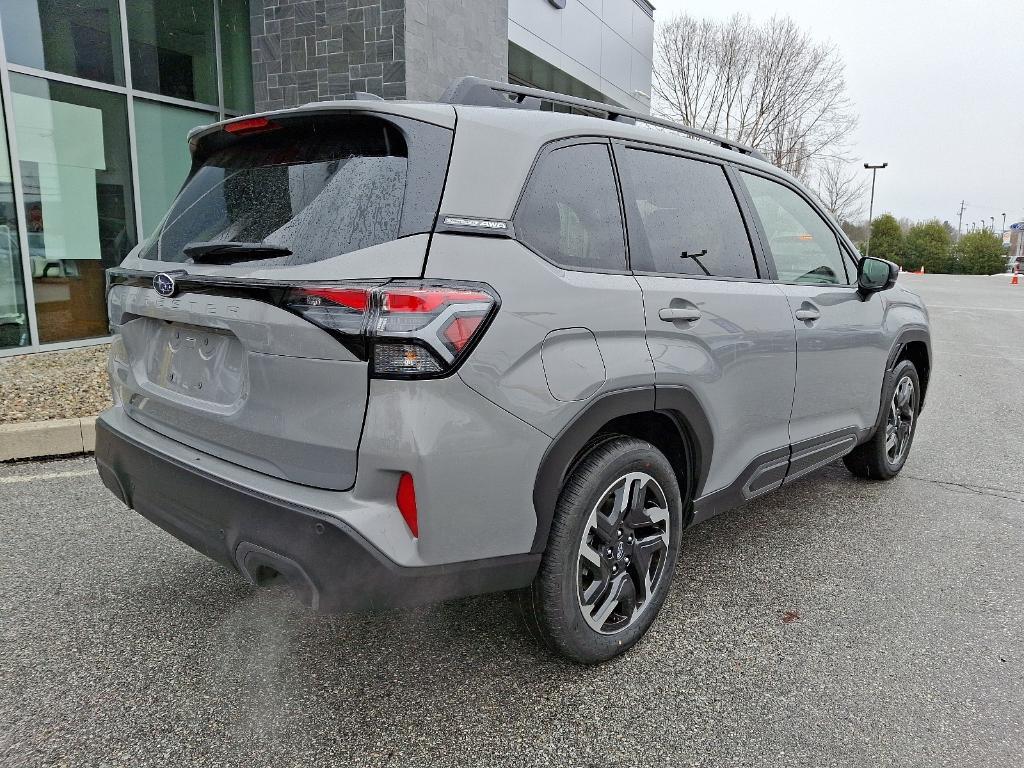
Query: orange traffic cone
x=1014 y=280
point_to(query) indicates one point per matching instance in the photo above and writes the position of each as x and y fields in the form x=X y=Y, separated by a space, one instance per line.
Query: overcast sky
x=939 y=87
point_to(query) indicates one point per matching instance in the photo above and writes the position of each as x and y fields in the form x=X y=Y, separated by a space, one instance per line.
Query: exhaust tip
x=261 y=566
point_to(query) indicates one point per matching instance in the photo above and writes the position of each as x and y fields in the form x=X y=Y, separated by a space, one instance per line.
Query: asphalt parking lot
x=836 y=622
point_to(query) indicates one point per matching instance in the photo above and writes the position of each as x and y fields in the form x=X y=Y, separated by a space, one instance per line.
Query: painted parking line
x=955 y=308
x=50 y=476
x=1005 y=358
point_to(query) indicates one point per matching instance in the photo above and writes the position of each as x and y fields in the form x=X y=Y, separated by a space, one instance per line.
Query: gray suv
x=395 y=352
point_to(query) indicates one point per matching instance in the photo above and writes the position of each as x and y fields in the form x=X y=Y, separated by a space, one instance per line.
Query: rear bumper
x=329 y=565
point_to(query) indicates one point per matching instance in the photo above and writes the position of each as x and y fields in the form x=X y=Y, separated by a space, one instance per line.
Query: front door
x=715 y=326
x=841 y=349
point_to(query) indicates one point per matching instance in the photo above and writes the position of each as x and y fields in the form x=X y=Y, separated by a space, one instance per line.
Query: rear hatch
x=209 y=348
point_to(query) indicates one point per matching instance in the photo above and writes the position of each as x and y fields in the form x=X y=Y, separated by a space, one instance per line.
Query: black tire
x=874 y=459
x=552 y=606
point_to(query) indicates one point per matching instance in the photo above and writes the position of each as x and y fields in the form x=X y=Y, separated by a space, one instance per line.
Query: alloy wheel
x=899 y=424
x=622 y=553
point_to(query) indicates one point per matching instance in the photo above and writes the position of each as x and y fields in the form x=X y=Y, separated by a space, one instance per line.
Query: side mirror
x=875 y=275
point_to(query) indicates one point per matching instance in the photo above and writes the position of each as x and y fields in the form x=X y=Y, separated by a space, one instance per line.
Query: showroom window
x=165 y=164
x=236 y=55
x=77 y=190
x=173 y=51
x=98 y=97
x=81 y=38
x=14 y=330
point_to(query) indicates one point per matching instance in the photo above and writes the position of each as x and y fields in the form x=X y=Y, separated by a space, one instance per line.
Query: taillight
x=406 y=329
x=336 y=309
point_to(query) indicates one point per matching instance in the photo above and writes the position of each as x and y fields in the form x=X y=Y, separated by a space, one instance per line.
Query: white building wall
x=607 y=44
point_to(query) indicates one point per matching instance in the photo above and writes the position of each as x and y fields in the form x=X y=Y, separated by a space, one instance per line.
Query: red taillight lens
x=459 y=330
x=339 y=309
x=405 y=498
x=357 y=299
x=428 y=300
x=416 y=329
x=250 y=125
x=425 y=328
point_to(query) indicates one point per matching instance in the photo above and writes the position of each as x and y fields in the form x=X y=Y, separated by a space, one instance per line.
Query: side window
x=570 y=211
x=804 y=248
x=688 y=216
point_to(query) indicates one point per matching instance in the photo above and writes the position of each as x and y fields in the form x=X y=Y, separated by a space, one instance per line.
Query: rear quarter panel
x=537 y=298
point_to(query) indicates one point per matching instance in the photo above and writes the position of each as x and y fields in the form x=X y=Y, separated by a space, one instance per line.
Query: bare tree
x=770 y=86
x=841 y=188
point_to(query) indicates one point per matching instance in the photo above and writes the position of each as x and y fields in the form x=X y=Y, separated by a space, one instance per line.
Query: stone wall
x=316 y=50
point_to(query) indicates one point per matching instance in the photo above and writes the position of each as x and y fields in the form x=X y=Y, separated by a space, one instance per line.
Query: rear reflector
x=250 y=125
x=406 y=500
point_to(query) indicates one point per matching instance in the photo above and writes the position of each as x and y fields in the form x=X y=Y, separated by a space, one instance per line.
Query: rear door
x=841 y=347
x=715 y=325
x=236 y=354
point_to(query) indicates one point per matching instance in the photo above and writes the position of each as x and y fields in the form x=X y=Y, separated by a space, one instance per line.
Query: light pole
x=1003 y=230
x=871 y=206
x=993 y=220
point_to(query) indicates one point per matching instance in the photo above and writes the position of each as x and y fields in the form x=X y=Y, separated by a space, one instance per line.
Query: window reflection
x=72 y=37
x=76 y=181
x=171 y=46
x=236 y=54
x=13 y=317
x=166 y=162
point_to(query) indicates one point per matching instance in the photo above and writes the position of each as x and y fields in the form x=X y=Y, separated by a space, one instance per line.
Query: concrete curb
x=55 y=437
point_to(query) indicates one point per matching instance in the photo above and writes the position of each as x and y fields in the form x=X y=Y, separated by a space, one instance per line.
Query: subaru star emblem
x=164 y=284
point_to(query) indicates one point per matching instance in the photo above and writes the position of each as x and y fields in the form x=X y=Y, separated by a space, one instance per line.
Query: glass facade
x=164 y=161
x=97 y=98
x=173 y=51
x=81 y=38
x=14 y=330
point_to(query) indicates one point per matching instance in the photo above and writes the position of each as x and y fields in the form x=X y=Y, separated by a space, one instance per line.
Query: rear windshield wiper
x=231 y=252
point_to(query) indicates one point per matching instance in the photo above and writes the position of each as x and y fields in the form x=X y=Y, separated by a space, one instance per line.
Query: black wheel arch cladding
x=678 y=404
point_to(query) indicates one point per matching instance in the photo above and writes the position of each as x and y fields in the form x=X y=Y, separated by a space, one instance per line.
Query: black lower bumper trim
x=330 y=565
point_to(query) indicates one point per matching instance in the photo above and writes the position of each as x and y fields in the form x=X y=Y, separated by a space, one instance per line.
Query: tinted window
x=803 y=246
x=321 y=190
x=570 y=212
x=688 y=218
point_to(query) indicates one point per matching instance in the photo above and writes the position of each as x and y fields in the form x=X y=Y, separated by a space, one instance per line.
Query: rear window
x=570 y=210
x=319 y=187
x=685 y=218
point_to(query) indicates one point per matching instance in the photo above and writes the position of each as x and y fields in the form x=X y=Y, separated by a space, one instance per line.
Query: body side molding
x=773 y=469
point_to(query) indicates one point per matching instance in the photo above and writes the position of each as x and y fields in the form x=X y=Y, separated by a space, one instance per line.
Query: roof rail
x=475 y=91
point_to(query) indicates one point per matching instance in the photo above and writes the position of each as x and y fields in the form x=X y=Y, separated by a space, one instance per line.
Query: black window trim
x=762 y=235
x=543 y=152
x=761 y=265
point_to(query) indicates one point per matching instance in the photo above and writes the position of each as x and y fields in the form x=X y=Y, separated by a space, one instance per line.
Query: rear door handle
x=674 y=314
x=807 y=314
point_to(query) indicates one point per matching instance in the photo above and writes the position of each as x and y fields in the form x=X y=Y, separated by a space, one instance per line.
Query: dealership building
x=98 y=95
